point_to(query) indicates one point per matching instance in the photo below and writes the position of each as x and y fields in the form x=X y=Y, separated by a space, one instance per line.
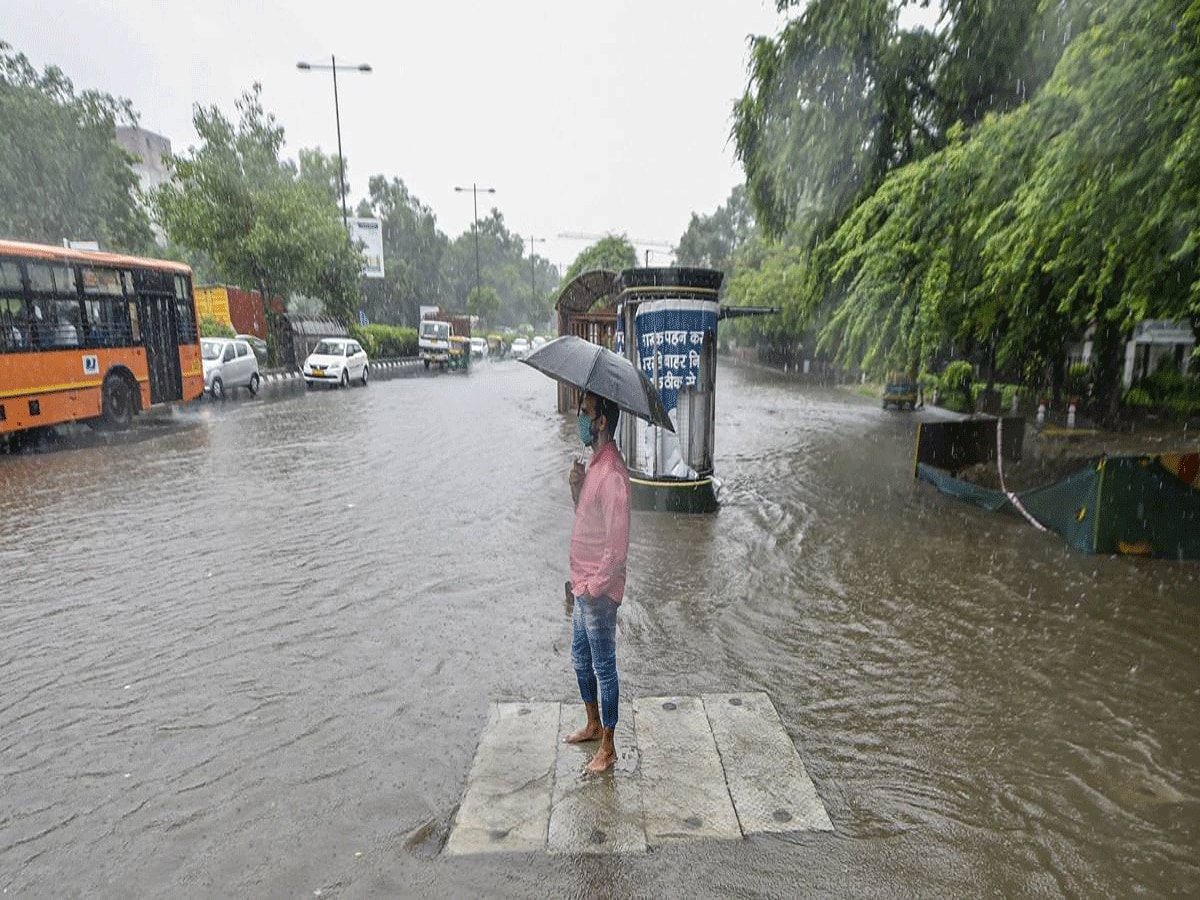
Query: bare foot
x=602 y=761
x=586 y=733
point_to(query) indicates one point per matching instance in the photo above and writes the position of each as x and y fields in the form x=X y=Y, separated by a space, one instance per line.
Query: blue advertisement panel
x=670 y=336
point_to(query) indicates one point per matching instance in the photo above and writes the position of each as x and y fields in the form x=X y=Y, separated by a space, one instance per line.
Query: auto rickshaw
x=900 y=390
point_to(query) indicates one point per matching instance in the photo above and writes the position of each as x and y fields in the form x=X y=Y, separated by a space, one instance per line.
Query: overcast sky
x=597 y=117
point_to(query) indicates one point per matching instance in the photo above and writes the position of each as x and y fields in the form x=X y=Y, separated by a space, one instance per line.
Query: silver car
x=228 y=364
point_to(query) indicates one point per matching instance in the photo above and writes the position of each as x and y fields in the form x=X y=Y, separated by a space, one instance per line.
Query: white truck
x=433 y=342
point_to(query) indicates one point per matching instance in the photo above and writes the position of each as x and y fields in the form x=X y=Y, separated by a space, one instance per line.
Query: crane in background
x=650 y=246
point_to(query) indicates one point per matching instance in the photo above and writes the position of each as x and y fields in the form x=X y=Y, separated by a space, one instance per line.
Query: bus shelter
x=586 y=308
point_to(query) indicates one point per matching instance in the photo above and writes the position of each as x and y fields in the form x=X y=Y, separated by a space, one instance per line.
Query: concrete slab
x=717 y=767
x=506 y=806
x=683 y=785
x=770 y=788
x=596 y=813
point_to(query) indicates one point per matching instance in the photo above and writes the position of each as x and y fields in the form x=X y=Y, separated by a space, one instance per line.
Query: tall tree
x=234 y=200
x=836 y=101
x=504 y=271
x=62 y=173
x=711 y=241
x=614 y=252
x=413 y=254
x=322 y=172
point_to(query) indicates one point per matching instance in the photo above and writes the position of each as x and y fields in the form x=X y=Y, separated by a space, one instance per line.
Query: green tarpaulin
x=1143 y=505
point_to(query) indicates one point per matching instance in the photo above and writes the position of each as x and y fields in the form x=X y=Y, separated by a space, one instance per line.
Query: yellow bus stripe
x=51 y=389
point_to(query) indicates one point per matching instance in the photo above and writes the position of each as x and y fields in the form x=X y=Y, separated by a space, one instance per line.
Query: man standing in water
x=599 y=547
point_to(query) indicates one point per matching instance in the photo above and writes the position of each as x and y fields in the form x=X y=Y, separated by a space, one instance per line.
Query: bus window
x=102 y=281
x=185 y=312
x=135 y=330
x=10 y=277
x=51 y=279
x=13 y=324
x=66 y=314
x=106 y=325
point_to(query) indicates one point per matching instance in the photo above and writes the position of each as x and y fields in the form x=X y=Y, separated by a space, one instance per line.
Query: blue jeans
x=594 y=654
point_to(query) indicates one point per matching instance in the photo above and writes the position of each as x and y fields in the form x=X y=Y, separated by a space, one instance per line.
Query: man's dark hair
x=611 y=413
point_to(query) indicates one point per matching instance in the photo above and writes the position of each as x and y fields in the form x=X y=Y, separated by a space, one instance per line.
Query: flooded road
x=253 y=655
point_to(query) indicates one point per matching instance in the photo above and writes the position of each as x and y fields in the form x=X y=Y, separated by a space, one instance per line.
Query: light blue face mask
x=584 y=423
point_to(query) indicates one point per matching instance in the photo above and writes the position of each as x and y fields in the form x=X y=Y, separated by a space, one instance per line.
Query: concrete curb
x=275 y=383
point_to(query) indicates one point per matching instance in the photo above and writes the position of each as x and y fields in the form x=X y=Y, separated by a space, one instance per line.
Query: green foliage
x=1058 y=188
x=613 y=252
x=210 y=327
x=483 y=303
x=712 y=241
x=956 y=386
x=414 y=253
x=523 y=286
x=1138 y=397
x=1079 y=377
x=62 y=173
x=234 y=200
x=386 y=341
x=839 y=98
x=958 y=377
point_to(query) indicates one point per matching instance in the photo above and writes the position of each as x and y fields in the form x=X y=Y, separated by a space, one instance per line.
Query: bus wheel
x=252 y=387
x=116 y=402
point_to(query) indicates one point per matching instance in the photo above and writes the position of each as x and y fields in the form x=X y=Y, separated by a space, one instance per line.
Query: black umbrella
x=592 y=368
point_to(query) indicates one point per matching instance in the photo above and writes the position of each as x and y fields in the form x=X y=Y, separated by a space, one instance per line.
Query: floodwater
x=252 y=653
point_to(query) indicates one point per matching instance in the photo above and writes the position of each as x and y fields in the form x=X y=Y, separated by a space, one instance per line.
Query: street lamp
x=475 y=189
x=532 y=276
x=337 y=115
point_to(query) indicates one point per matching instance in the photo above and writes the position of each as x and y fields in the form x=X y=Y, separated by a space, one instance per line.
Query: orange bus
x=92 y=336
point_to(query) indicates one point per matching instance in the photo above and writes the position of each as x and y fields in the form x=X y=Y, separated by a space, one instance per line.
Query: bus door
x=160 y=333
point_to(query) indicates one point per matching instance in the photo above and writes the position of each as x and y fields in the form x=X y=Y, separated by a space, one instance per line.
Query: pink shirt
x=600 y=538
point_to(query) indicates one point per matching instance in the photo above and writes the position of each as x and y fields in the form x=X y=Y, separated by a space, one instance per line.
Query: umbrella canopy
x=599 y=371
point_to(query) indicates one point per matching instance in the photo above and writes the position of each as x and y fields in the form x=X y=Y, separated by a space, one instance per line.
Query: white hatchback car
x=520 y=348
x=336 y=361
x=228 y=363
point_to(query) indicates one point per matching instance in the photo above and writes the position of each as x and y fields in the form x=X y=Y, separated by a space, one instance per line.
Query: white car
x=336 y=361
x=228 y=363
x=478 y=348
x=538 y=341
x=520 y=348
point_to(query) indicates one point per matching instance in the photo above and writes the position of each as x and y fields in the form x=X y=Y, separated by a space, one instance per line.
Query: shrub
x=957 y=386
x=210 y=327
x=1078 y=383
x=386 y=341
x=1137 y=396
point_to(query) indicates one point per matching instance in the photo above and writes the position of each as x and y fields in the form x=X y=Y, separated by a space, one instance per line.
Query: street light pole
x=475 y=189
x=532 y=275
x=337 y=116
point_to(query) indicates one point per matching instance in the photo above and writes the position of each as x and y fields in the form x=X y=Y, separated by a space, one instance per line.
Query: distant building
x=1152 y=342
x=152 y=170
x=149 y=148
